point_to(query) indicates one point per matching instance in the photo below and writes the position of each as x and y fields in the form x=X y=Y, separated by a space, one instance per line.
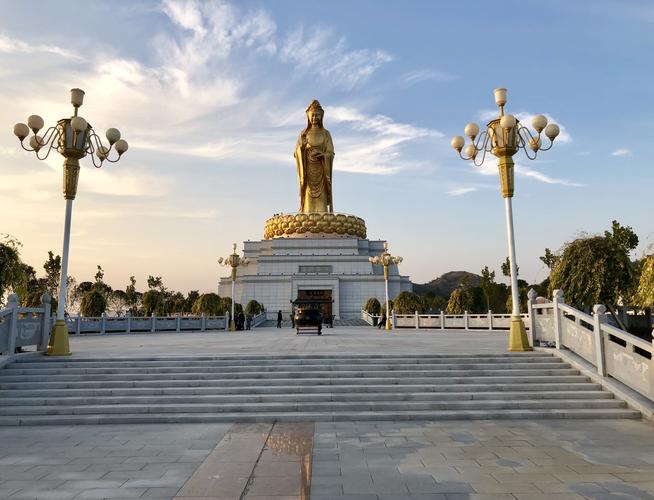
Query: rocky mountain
x=444 y=284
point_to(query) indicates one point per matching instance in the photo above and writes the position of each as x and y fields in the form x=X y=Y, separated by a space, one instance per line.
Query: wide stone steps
x=294 y=416
x=65 y=400
x=230 y=388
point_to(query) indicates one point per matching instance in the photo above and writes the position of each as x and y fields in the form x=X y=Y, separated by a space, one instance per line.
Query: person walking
x=279 y=318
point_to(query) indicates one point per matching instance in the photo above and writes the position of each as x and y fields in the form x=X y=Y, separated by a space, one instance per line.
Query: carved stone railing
x=613 y=352
x=24 y=326
x=442 y=321
x=134 y=324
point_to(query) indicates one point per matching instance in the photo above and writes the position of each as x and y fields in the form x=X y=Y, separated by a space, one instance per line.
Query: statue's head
x=314 y=114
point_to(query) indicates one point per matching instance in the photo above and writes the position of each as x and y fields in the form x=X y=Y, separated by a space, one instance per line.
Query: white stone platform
x=281 y=267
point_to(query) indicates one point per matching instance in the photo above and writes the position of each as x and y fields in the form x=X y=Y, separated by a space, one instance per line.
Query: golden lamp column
x=504 y=137
x=386 y=260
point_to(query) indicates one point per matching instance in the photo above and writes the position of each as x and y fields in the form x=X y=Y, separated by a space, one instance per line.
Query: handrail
x=628 y=337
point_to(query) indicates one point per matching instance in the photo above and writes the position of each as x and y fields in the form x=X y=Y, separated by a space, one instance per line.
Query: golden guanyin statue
x=314 y=155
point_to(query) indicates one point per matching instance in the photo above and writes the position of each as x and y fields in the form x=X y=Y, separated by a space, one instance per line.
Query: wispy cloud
x=425 y=75
x=621 y=152
x=328 y=55
x=373 y=144
x=461 y=191
x=9 y=45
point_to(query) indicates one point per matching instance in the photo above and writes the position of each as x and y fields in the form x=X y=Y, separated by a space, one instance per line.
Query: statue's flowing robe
x=326 y=162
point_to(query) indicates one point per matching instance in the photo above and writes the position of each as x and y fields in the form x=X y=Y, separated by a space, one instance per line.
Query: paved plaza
x=346 y=340
x=512 y=459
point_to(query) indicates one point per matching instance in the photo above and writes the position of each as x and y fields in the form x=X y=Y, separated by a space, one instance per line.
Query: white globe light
x=471 y=130
x=36 y=141
x=35 y=122
x=539 y=122
x=102 y=152
x=470 y=151
x=534 y=143
x=552 y=130
x=457 y=142
x=370 y=259
x=121 y=146
x=21 y=131
x=507 y=121
x=113 y=135
x=78 y=123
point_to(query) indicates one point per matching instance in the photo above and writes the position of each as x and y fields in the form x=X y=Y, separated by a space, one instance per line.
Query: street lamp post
x=73 y=138
x=386 y=260
x=504 y=137
x=234 y=261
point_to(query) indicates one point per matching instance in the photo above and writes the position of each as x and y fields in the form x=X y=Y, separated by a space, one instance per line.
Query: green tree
x=486 y=283
x=644 y=296
x=117 y=302
x=506 y=268
x=373 y=306
x=153 y=301
x=597 y=269
x=407 y=303
x=549 y=259
x=461 y=299
x=93 y=304
x=209 y=304
x=52 y=268
x=132 y=297
x=176 y=303
x=226 y=306
x=253 y=308
x=191 y=297
x=11 y=267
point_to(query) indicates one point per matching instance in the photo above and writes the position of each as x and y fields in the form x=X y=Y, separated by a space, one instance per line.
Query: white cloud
x=373 y=143
x=9 y=45
x=326 y=54
x=461 y=191
x=424 y=75
x=621 y=152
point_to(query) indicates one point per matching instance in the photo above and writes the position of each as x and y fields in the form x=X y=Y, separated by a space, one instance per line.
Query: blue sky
x=211 y=97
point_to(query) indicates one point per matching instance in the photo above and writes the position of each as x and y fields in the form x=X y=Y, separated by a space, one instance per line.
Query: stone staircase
x=249 y=388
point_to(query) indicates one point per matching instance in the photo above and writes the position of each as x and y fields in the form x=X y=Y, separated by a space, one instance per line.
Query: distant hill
x=444 y=285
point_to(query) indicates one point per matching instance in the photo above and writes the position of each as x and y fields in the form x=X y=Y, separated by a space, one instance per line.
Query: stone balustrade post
x=153 y=327
x=227 y=320
x=557 y=298
x=128 y=318
x=103 y=323
x=599 y=319
x=178 y=322
x=45 y=323
x=12 y=304
x=442 y=320
x=78 y=325
x=203 y=322
x=490 y=319
x=531 y=300
x=417 y=321
x=466 y=321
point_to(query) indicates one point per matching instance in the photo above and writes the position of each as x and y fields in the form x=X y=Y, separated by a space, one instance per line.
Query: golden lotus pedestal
x=314 y=225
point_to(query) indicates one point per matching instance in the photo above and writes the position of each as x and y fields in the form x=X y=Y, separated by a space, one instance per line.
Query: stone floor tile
x=112 y=493
x=160 y=493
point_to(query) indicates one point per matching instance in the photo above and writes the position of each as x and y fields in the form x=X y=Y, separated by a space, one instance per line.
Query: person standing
x=292 y=318
x=382 y=321
x=279 y=318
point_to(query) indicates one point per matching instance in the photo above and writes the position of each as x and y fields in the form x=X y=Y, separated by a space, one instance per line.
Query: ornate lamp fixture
x=234 y=261
x=73 y=138
x=504 y=137
x=386 y=260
